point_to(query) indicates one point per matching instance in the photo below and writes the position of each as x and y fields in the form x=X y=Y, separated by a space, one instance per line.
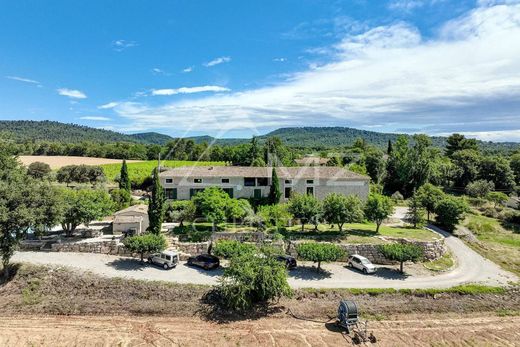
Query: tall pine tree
x=156 y=205
x=274 y=191
x=124 y=179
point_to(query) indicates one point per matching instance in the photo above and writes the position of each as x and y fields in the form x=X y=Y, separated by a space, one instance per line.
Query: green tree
x=497 y=198
x=84 y=206
x=145 y=244
x=254 y=151
x=50 y=212
x=306 y=208
x=428 y=196
x=415 y=214
x=181 y=211
x=458 y=142
x=378 y=208
x=276 y=216
x=319 y=252
x=515 y=166
x=375 y=164
x=450 y=212
x=249 y=280
x=124 y=178
x=121 y=198
x=38 y=170
x=496 y=169
x=211 y=203
x=232 y=248
x=401 y=252
x=389 y=148
x=479 y=188
x=467 y=164
x=340 y=209
x=156 y=205
x=238 y=209
x=274 y=190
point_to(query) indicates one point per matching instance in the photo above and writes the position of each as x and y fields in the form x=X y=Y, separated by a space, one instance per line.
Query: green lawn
x=444 y=263
x=497 y=243
x=139 y=171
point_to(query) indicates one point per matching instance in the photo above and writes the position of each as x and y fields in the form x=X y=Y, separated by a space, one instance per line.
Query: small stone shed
x=133 y=218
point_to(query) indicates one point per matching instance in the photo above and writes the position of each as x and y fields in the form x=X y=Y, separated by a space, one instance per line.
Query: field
x=55 y=162
x=139 y=171
x=496 y=243
x=60 y=307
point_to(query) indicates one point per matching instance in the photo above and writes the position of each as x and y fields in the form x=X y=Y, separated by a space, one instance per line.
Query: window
x=249 y=181
x=310 y=190
x=169 y=180
x=197 y=180
x=288 y=191
x=225 y=180
x=171 y=193
x=310 y=181
x=288 y=181
x=257 y=193
x=229 y=191
x=262 y=181
x=194 y=191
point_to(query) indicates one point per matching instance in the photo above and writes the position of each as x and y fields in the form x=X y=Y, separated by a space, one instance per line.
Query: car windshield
x=365 y=261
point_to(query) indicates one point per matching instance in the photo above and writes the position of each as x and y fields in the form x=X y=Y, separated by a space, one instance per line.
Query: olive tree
x=429 y=195
x=401 y=252
x=145 y=244
x=340 y=209
x=378 y=208
x=181 y=211
x=232 y=248
x=306 y=208
x=319 y=252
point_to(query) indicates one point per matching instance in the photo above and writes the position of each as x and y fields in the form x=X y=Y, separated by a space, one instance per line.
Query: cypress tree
x=389 y=148
x=156 y=205
x=274 y=191
x=124 y=179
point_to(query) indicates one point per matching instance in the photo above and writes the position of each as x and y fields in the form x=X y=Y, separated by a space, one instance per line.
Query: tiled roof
x=128 y=219
x=140 y=208
x=314 y=172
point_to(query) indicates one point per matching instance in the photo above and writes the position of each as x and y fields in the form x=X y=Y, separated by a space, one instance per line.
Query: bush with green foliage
x=232 y=248
x=121 y=198
x=378 y=208
x=180 y=211
x=401 y=252
x=497 y=198
x=429 y=195
x=319 y=252
x=250 y=280
x=238 y=209
x=479 y=188
x=212 y=203
x=340 y=209
x=275 y=216
x=397 y=196
x=306 y=208
x=450 y=211
x=145 y=244
x=38 y=170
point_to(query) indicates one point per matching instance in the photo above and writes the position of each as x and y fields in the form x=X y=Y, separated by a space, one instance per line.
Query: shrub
x=401 y=252
x=238 y=209
x=450 y=211
x=38 y=170
x=397 y=196
x=121 y=198
x=480 y=188
x=146 y=243
x=497 y=198
x=231 y=248
x=250 y=280
x=319 y=252
x=277 y=216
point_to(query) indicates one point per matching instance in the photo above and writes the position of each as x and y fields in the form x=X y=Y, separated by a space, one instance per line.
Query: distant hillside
x=151 y=138
x=59 y=132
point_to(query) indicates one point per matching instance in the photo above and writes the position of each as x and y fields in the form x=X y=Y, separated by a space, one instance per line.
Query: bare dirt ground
x=480 y=330
x=55 y=162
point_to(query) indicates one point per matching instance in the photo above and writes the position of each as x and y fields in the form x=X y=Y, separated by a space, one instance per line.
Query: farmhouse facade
x=246 y=182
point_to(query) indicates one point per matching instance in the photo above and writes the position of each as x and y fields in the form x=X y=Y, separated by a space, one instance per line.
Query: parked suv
x=166 y=259
x=290 y=262
x=205 y=261
x=361 y=263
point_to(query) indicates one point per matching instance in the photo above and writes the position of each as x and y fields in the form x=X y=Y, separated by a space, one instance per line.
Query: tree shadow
x=390 y=274
x=362 y=233
x=305 y=272
x=213 y=310
x=128 y=264
x=13 y=270
x=210 y=273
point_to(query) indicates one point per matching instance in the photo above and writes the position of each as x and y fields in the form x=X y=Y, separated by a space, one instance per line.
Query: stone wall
x=241 y=236
x=103 y=247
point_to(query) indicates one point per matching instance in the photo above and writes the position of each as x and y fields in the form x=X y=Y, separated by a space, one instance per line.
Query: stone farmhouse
x=254 y=182
x=133 y=219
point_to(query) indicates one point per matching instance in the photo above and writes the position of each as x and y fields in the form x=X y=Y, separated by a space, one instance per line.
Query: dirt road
x=161 y=331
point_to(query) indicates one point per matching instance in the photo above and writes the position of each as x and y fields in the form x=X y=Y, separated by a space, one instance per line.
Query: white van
x=166 y=259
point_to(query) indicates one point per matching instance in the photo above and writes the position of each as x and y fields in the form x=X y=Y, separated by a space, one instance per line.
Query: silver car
x=166 y=259
x=361 y=263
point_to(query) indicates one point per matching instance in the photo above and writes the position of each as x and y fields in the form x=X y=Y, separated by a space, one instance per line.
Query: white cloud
x=189 y=90
x=108 y=106
x=495 y=136
x=121 y=45
x=218 y=61
x=280 y=60
x=96 y=118
x=22 y=79
x=71 y=93
x=467 y=78
x=188 y=69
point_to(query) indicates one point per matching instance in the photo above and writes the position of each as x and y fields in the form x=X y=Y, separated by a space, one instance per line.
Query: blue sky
x=237 y=68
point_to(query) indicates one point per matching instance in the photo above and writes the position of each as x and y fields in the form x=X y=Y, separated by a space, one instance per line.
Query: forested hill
x=152 y=138
x=59 y=132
